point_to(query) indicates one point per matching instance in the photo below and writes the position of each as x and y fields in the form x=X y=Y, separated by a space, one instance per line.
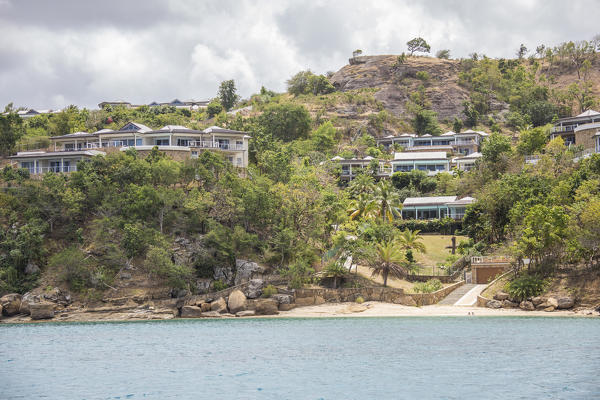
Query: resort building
x=431 y=162
x=466 y=163
x=353 y=167
x=464 y=143
x=436 y=207
x=578 y=130
x=177 y=141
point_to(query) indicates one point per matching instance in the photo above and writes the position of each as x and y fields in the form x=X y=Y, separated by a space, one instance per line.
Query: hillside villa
x=463 y=143
x=176 y=141
x=435 y=207
x=583 y=129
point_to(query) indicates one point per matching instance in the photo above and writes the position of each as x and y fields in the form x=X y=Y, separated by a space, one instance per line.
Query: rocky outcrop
x=509 y=304
x=225 y=274
x=246 y=270
x=254 y=289
x=44 y=310
x=191 y=312
x=11 y=303
x=565 y=303
x=219 y=305
x=526 y=305
x=266 y=307
x=494 y=304
x=236 y=301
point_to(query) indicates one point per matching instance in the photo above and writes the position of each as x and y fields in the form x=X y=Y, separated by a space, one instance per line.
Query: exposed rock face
x=219 y=305
x=31 y=268
x=246 y=270
x=236 y=302
x=254 y=289
x=11 y=303
x=552 y=302
x=565 y=303
x=527 y=306
x=225 y=274
x=509 y=304
x=43 y=310
x=283 y=298
x=493 y=304
x=266 y=307
x=58 y=296
x=537 y=300
x=203 y=285
x=191 y=312
x=205 y=307
x=397 y=82
x=501 y=296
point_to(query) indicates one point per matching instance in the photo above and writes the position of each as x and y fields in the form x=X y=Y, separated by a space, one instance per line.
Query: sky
x=61 y=52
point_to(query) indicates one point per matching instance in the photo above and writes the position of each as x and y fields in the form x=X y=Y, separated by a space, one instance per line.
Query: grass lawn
x=436 y=252
x=392 y=281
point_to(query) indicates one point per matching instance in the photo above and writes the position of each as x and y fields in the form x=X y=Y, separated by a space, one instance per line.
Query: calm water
x=353 y=358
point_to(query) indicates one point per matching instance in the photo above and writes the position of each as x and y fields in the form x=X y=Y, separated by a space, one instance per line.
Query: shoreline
x=371 y=309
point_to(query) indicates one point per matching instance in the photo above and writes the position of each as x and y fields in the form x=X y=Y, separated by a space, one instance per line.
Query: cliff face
x=395 y=82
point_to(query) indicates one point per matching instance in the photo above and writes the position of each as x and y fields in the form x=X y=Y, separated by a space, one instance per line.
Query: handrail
x=490 y=259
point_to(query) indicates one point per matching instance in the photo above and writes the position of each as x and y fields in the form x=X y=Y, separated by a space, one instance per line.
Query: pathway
x=466 y=295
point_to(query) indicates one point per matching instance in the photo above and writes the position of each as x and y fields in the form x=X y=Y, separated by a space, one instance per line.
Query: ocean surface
x=338 y=358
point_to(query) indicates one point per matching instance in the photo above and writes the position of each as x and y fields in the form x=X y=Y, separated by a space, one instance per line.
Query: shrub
x=219 y=285
x=444 y=226
x=298 y=274
x=269 y=291
x=158 y=262
x=525 y=286
x=430 y=286
x=422 y=75
x=360 y=300
x=73 y=268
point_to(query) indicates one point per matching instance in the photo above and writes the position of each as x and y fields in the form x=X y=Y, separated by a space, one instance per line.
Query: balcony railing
x=561 y=129
x=216 y=145
x=491 y=260
x=465 y=141
x=43 y=170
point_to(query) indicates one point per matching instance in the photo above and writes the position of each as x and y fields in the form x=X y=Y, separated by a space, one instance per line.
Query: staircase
x=457 y=294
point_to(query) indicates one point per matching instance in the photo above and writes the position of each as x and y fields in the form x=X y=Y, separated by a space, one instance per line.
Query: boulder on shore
x=538 y=300
x=11 y=303
x=219 y=305
x=236 y=301
x=565 y=303
x=509 y=304
x=493 y=304
x=501 y=296
x=266 y=307
x=43 y=310
x=191 y=312
x=205 y=307
x=283 y=298
x=527 y=306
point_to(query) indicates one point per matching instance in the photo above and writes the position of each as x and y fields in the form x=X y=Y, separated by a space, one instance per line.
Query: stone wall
x=427 y=299
x=585 y=137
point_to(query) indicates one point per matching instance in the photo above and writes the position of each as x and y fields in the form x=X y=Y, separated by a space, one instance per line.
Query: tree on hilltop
x=227 y=94
x=443 y=54
x=356 y=53
x=418 y=44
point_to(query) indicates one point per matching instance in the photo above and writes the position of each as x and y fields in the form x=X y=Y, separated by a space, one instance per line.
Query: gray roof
x=464 y=201
x=216 y=129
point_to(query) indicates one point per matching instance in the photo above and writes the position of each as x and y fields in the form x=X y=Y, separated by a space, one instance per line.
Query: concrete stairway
x=456 y=295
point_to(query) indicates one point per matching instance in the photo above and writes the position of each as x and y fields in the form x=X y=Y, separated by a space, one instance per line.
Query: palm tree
x=411 y=240
x=363 y=183
x=388 y=201
x=388 y=259
x=335 y=270
x=362 y=206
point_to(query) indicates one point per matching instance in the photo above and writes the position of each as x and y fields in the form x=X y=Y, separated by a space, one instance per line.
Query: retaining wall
x=427 y=299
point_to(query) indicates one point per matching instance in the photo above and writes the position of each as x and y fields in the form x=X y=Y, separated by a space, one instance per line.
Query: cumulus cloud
x=67 y=52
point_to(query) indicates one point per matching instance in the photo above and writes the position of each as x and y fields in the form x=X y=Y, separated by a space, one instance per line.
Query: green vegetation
x=525 y=286
x=430 y=286
x=269 y=291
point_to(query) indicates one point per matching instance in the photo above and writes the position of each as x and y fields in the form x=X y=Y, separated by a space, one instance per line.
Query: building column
x=62 y=164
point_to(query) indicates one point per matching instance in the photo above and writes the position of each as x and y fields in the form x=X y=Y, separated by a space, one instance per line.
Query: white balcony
x=56 y=169
x=216 y=145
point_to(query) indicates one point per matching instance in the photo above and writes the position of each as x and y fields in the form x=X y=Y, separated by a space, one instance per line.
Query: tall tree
x=387 y=259
x=228 y=94
x=388 y=200
x=11 y=130
x=418 y=44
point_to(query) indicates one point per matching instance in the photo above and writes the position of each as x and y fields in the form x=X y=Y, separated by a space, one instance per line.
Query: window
x=28 y=165
x=69 y=146
x=55 y=166
x=161 y=142
x=138 y=142
x=239 y=144
x=194 y=154
x=403 y=168
x=183 y=142
x=223 y=143
x=238 y=161
x=66 y=167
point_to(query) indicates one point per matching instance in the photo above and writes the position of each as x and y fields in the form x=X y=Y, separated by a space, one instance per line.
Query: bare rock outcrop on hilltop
x=395 y=82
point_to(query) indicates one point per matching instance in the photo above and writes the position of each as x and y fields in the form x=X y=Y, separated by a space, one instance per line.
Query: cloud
x=56 y=53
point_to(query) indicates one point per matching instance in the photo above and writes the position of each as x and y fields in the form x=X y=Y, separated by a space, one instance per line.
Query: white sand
x=378 y=309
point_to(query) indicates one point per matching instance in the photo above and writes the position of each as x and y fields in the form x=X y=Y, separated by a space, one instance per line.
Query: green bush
x=158 y=262
x=269 y=291
x=219 y=285
x=298 y=274
x=360 y=300
x=525 y=286
x=73 y=267
x=422 y=75
x=445 y=226
x=430 y=286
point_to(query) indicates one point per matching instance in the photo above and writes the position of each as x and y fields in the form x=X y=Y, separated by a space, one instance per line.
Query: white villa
x=432 y=162
x=177 y=141
x=435 y=207
x=466 y=163
x=464 y=143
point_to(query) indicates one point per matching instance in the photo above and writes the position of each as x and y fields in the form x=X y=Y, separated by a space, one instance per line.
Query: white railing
x=560 y=129
x=490 y=259
x=215 y=145
x=43 y=170
x=465 y=142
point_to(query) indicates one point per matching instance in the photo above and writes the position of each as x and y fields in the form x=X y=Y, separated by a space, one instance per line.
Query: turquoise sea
x=349 y=358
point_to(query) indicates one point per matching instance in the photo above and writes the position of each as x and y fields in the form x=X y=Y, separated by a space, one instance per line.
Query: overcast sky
x=61 y=52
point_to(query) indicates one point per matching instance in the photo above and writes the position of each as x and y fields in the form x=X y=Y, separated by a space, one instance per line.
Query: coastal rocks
x=191 y=312
x=236 y=301
x=43 y=310
x=283 y=298
x=527 y=306
x=266 y=307
x=254 y=289
x=219 y=305
x=537 y=300
x=493 y=304
x=205 y=307
x=509 y=304
x=58 y=296
x=245 y=270
x=212 y=314
x=245 y=313
x=203 y=285
x=565 y=303
x=11 y=303
x=31 y=268
x=501 y=296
